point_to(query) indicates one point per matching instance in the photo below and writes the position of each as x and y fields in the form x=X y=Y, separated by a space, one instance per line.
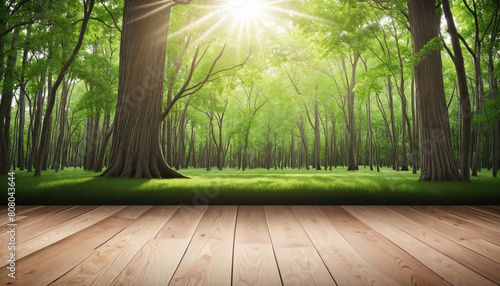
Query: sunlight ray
x=299 y=14
x=153 y=11
x=209 y=31
x=197 y=22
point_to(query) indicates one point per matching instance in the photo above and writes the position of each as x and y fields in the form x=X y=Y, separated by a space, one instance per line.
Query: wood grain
x=48 y=264
x=456 y=234
x=251 y=226
x=183 y=223
x=102 y=267
x=157 y=261
x=471 y=229
x=254 y=262
x=132 y=212
x=256 y=245
x=64 y=230
x=154 y=264
x=208 y=258
x=447 y=268
x=381 y=253
x=345 y=264
x=284 y=228
x=298 y=261
x=479 y=220
x=471 y=259
x=481 y=211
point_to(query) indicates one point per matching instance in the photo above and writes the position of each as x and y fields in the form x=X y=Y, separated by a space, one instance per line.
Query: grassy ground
x=74 y=186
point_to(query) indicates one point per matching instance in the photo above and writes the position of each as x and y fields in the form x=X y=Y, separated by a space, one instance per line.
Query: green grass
x=74 y=186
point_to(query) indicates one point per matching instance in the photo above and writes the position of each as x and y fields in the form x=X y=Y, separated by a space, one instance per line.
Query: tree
x=136 y=150
x=464 y=93
x=438 y=163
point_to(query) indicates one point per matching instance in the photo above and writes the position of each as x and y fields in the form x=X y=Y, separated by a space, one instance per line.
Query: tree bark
x=464 y=94
x=438 y=163
x=352 y=166
x=136 y=150
x=5 y=106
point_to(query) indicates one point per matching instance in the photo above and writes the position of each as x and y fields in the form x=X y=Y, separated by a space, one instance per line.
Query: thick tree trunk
x=464 y=94
x=136 y=150
x=438 y=163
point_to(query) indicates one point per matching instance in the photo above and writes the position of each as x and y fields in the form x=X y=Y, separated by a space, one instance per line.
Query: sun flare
x=246 y=10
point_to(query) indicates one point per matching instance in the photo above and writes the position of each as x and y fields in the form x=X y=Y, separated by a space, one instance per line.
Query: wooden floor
x=254 y=245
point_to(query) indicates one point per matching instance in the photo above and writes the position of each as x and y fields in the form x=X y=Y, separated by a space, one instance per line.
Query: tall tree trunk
x=37 y=111
x=62 y=127
x=292 y=150
x=352 y=166
x=316 y=137
x=106 y=135
x=394 y=141
x=496 y=125
x=245 y=151
x=5 y=105
x=464 y=94
x=136 y=150
x=22 y=105
x=415 y=153
x=438 y=163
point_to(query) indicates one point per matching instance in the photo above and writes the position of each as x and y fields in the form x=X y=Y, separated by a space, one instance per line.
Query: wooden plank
x=494 y=210
x=254 y=262
x=154 y=264
x=476 y=219
x=346 y=265
x=378 y=251
x=157 y=261
x=33 y=215
x=132 y=212
x=284 y=228
x=298 y=261
x=482 y=212
x=208 y=258
x=48 y=264
x=106 y=263
x=471 y=229
x=447 y=268
x=453 y=233
x=251 y=226
x=68 y=228
x=471 y=259
x=38 y=224
x=26 y=208
x=183 y=223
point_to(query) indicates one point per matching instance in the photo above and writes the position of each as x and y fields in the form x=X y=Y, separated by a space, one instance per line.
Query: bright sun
x=246 y=10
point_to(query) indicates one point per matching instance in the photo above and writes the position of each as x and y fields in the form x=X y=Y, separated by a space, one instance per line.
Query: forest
x=150 y=89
